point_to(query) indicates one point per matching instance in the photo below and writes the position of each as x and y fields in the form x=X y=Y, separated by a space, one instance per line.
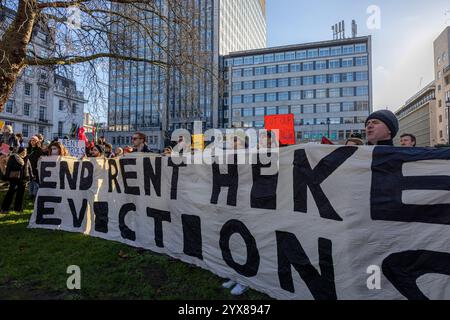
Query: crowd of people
x=19 y=163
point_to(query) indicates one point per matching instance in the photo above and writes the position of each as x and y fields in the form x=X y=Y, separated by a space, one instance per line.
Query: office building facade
x=150 y=99
x=326 y=85
x=418 y=117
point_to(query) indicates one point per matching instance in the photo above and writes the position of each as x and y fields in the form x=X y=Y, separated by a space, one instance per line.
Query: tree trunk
x=13 y=47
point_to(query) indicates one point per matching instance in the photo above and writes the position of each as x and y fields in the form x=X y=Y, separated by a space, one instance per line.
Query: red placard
x=285 y=124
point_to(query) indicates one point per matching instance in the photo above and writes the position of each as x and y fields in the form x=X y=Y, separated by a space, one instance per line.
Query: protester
x=19 y=138
x=40 y=137
x=408 y=140
x=108 y=150
x=34 y=152
x=45 y=145
x=167 y=151
x=56 y=148
x=118 y=152
x=355 y=139
x=18 y=171
x=101 y=141
x=97 y=151
x=140 y=143
x=8 y=137
x=381 y=128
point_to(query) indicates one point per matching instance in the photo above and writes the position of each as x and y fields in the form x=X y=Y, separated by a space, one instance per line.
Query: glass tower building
x=147 y=98
x=326 y=85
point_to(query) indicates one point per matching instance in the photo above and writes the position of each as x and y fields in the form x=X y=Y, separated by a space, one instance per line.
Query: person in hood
x=18 y=172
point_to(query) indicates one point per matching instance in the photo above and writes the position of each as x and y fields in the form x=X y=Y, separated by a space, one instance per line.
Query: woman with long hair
x=56 y=148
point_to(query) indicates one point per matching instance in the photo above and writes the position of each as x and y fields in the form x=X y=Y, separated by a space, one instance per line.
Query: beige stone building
x=418 y=117
x=442 y=76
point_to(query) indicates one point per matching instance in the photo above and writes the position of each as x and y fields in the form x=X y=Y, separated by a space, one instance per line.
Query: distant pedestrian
x=34 y=152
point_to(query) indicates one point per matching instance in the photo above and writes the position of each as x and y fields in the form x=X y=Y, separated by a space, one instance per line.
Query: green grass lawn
x=33 y=264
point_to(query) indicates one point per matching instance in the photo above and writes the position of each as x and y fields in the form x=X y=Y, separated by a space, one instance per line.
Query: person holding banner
x=140 y=143
x=56 y=148
x=381 y=128
x=34 y=152
x=18 y=171
x=97 y=151
x=355 y=139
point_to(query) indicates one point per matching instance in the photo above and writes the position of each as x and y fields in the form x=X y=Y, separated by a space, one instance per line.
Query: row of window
x=299 y=67
x=27 y=108
x=301 y=81
x=301 y=94
x=303 y=122
x=303 y=109
x=298 y=55
x=28 y=90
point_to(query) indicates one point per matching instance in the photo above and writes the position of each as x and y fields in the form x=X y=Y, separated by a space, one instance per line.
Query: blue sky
x=402 y=46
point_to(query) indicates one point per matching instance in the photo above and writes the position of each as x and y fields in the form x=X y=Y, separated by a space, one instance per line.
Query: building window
x=42 y=113
x=335 y=107
x=61 y=105
x=321 y=93
x=268 y=58
x=237 y=113
x=335 y=120
x=283 y=96
x=360 y=48
x=42 y=93
x=308 y=94
x=236 y=99
x=283 y=68
x=296 y=95
x=283 y=110
x=26 y=109
x=271 y=110
x=259 y=124
x=362 y=106
x=260 y=71
x=296 y=67
x=237 y=73
x=248 y=85
x=313 y=53
x=25 y=130
x=336 y=51
x=259 y=111
x=297 y=81
x=334 y=78
x=27 y=89
x=237 y=86
x=348 y=49
x=348 y=107
x=74 y=108
x=258 y=59
x=361 y=61
x=259 y=84
x=271 y=97
x=260 y=97
x=347 y=63
x=361 y=76
x=41 y=130
x=362 y=91
x=321 y=79
x=247 y=112
x=283 y=82
x=349 y=120
x=308 y=80
x=308 y=66
x=290 y=56
x=271 y=69
x=9 y=106
x=321 y=65
x=334 y=93
x=321 y=108
x=248 y=72
x=440 y=118
x=272 y=83
x=279 y=57
x=334 y=64
x=60 y=128
x=308 y=108
x=348 y=92
x=300 y=55
x=324 y=52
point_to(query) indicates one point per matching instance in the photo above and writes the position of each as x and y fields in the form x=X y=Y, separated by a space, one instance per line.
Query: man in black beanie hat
x=381 y=128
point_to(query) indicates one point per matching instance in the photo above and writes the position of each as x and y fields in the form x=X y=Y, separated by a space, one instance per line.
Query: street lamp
x=328 y=123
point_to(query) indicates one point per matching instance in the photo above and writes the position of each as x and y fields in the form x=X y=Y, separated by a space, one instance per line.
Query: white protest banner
x=76 y=148
x=310 y=228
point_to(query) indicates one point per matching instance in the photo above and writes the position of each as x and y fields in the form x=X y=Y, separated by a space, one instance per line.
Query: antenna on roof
x=354 y=29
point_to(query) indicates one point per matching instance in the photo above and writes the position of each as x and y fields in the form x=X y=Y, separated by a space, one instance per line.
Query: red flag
x=325 y=140
x=82 y=135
